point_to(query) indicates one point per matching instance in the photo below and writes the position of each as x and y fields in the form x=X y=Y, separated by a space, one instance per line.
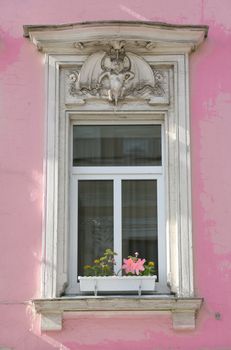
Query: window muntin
x=120 y=176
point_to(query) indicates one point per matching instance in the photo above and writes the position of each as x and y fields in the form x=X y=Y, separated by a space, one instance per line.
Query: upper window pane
x=116 y=145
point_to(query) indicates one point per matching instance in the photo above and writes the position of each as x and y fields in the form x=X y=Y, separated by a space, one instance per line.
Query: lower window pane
x=139 y=219
x=95 y=220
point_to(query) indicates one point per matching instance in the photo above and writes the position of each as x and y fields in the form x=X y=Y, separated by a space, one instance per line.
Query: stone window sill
x=183 y=310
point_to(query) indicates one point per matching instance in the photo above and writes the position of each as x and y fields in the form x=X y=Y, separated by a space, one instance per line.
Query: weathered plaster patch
x=217 y=12
x=94 y=330
x=225 y=265
x=224 y=269
x=216 y=171
x=133 y=13
x=9 y=49
x=35 y=190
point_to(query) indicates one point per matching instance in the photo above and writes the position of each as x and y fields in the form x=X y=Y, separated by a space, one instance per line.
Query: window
x=105 y=74
x=117 y=196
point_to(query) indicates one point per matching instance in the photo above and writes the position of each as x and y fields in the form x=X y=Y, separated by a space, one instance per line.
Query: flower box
x=137 y=284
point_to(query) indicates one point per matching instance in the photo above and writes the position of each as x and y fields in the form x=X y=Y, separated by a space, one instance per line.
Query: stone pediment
x=115 y=60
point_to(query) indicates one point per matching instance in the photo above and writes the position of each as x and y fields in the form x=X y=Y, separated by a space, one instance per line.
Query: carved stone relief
x=116 y=75
x=129 y=45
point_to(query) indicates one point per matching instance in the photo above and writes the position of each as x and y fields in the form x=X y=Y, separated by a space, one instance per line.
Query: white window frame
x=177 y=185
x=117 y=174
x=163 y=44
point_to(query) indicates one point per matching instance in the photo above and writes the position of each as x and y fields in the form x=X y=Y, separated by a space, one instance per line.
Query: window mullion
x=72 y=287
x=161 y=233
x=117 y=224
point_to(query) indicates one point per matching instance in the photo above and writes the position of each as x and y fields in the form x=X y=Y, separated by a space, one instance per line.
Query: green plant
x=103 y=266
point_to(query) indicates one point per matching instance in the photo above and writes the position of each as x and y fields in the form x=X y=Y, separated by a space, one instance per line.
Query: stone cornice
x=146 y=37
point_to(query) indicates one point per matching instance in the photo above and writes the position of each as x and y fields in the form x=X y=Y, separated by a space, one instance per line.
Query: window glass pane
x=139 y=219
x=95 y=220
x=116 y=145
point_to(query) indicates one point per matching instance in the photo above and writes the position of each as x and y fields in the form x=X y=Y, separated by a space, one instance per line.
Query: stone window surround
x=164 y=44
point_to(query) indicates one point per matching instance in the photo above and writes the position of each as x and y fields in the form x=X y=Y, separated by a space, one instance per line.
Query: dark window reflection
x=95 y=220
x=139 y=219
x=117 y=145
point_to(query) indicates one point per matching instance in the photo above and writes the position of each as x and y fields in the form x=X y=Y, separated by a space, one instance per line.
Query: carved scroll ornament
x=115 y=75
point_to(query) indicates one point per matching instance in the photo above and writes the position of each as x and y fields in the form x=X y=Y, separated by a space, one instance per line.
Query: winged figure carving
x=114 y=75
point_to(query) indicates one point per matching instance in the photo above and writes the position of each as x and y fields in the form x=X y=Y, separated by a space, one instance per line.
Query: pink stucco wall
x=22 y=108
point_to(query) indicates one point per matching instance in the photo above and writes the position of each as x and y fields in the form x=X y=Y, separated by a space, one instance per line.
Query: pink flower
x=139 y=266
x=134 y=267
x=128 y=265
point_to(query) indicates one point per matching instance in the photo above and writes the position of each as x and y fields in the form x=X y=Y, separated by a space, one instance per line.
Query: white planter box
x=117 y=284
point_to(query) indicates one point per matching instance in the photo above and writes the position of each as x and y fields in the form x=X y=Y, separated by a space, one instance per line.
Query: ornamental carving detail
x=116 y=75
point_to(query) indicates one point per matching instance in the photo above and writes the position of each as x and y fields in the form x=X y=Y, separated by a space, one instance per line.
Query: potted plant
x=138 y=275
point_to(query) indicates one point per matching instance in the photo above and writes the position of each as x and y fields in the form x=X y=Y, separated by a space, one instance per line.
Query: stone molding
x=183 y=310
x=144 y=36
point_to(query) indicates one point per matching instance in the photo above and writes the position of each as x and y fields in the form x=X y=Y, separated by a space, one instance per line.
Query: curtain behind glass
x=139 y=219
x=95 y=220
